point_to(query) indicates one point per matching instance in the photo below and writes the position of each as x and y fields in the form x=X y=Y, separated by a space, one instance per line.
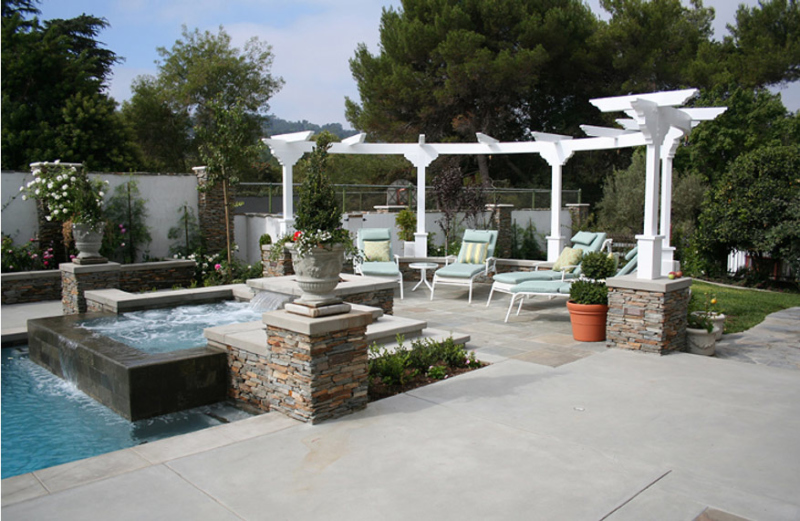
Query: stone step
x=437 y=335
x=388 y=327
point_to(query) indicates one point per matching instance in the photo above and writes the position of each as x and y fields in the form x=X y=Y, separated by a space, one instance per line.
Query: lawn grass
x=745 y=308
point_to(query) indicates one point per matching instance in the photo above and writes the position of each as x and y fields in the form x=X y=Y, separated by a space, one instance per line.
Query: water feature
x=47 y=421
x=170 y=329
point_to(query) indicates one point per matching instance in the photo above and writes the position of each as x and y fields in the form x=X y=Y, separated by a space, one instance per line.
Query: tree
x=755 y=207
x=226 y=147
x=199 y=70
x=54 y=104
x=450 y=68
x=161 y=134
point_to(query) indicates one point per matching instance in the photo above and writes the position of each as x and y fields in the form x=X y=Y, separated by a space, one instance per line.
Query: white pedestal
x=554 y=246
x=649 y=256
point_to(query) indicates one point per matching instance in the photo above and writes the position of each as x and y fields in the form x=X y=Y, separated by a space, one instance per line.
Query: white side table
x=423 y=277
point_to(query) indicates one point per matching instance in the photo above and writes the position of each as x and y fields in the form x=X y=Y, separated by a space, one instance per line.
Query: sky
x=312 y=41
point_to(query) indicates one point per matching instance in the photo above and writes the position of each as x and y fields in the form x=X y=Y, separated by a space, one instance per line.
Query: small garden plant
x=404 y=368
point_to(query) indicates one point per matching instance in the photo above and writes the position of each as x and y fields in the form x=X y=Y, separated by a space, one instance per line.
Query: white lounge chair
x=375 y=245
x=561 y=270
x=475 y=257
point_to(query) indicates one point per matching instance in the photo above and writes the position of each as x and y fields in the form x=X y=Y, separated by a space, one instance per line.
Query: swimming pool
x=48 y=421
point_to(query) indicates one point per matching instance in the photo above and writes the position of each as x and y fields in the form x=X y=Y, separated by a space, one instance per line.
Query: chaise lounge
x=475 y=257
x=566 y=267
x=375 y=245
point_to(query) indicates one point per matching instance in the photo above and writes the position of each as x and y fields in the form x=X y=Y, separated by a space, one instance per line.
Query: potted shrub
x=588 y=298
x=406 y=220
x=319 y=245
x=701 y=330
x=68 y=195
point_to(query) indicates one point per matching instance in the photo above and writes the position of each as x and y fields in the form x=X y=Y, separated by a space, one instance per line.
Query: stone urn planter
x=88 y=241
x=317 y=274
x=716 y=319
x=701 y=341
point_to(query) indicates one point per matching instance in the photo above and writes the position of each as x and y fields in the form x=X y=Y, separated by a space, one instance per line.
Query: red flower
x=296 y=235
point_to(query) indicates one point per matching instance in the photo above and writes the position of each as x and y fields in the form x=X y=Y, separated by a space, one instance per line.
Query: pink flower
x=46 y=263
x=71 y=257
x=217 y=267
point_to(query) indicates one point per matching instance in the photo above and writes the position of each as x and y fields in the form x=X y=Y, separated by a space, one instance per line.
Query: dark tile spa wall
x=134 y=384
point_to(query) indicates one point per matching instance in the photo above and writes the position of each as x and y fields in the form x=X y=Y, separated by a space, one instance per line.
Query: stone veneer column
x=317 y=366
x=276 y=268
x=211 y=211
x=76 y=280
x=647 y=315
x=502 y=223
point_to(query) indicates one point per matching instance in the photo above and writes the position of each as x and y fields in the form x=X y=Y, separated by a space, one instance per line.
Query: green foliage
x=317 y=209
x=67 y=193
x=745 y=308
x=28 y=257
x=126 y=233
x=756 y=207
x=265 y=239
x=174 y=114
x=187 y=233
x=621 y=210
x=701 y=308
x=214 y=270
x=54 y=103
x=426 y=356
x=598 y=265
x=588 y=292
x=525 y=243
x=406 y=220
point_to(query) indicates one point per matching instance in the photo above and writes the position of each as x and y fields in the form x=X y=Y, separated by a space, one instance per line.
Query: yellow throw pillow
x=376 y=251
x=475 y=252
x=568 y=259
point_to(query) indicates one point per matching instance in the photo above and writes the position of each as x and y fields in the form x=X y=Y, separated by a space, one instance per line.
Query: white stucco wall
x=163 y=196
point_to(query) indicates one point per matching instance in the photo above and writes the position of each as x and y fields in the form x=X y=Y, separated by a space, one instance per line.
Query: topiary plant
x=406 y=220
x=596 y=267
x=264 y=240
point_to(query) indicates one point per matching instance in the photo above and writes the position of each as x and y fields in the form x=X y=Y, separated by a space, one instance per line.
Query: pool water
x=47 y=421
x=171 y=329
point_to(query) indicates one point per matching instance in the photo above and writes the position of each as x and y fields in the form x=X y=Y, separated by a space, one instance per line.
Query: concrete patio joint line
x=659 y=478
x=205 y=493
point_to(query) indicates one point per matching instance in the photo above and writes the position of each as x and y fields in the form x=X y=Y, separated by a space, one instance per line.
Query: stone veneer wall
x=31 y=286
x=501 y=216
x=76 y=280
x=211 y=211
x=276 y=268
x=248 y=377
x=317 y=367
x=146 y=276
x=381 y=298
x=648 y=316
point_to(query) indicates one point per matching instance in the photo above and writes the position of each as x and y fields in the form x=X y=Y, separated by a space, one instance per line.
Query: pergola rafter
x=653 y=121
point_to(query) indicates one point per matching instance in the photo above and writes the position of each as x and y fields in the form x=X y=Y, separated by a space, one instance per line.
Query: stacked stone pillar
x=211 y=211
x=276 y=268
x=501 y=216
x=317 y=366
x=647 y=315
x=77 y=280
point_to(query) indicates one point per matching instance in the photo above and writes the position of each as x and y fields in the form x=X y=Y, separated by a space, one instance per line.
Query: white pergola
x=654 y=120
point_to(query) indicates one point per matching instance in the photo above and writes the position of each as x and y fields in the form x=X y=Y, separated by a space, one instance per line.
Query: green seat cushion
x=555 y=287
x=379 y=269
x=516 y=277
x=569 y=258
x=377 y=251
x=460 y=270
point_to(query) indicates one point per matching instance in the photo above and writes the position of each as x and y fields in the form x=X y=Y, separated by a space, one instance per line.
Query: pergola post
x=288 y=149
x=421 y=157
x=556 y=156
x=668 y=150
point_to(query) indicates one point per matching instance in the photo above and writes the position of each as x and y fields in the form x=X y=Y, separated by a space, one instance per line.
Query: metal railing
x=363 y=198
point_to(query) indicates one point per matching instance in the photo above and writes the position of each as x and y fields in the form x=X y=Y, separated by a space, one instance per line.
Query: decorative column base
x=649 y=267
x=77 y=280
x=667 y=261
x=647 y=315
x=554 y=246
x=317 y=366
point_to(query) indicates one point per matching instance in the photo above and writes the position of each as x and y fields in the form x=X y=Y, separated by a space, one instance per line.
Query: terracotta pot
x=588 y=321
x=317 y=273
x=700 y=341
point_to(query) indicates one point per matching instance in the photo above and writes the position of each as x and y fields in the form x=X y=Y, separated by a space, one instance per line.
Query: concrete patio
x=553 y=429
